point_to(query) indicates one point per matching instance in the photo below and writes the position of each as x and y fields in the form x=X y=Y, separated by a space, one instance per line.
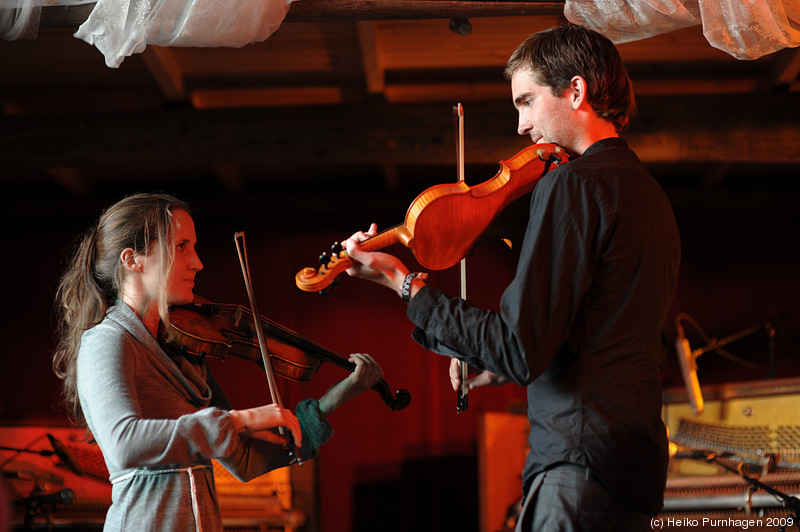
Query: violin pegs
x=325 y=291
x=336 y=248
x=324 y=259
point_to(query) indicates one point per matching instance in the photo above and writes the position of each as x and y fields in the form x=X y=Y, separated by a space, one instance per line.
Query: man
x=581 y=325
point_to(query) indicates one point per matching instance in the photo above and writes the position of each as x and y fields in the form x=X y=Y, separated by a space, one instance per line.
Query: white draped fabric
x=746 y=29
x=19 y=19
x=120 y=28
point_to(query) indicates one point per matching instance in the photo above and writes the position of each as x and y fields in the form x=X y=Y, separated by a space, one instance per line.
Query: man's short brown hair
x=557 y=54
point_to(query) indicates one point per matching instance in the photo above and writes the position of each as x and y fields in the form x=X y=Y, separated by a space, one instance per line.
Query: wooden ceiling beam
x=230 y=177
x=73 y=180
x=166 y=71
x=265 y=97
x=352 y=10
x=668 y=130
x=786 y=72
x=374 y=73
x=322 y=11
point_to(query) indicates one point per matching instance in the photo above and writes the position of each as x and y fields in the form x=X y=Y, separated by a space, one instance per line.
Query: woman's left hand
x=366 y=373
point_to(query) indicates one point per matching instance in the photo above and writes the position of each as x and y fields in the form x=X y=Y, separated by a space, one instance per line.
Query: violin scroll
x=400 y=400
x=447 y=221
x=322 y=280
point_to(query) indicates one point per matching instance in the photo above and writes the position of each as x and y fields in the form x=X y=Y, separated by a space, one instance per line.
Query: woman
x=160 y=420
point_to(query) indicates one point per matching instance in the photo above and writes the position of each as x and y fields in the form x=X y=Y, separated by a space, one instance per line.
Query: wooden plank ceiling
x=354 y=104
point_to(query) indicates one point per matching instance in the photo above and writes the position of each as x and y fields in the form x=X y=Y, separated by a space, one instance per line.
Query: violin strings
x=290 y=337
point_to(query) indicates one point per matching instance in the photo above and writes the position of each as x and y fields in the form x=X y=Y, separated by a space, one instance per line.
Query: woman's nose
x=197 y=264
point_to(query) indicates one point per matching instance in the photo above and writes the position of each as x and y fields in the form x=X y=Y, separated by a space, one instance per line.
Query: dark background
x=328 y=126
x=416 y=466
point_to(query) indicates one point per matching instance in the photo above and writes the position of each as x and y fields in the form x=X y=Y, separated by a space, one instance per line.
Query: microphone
x=65 y=496
x=701 y=455
x=65 y=456
x=689 y=372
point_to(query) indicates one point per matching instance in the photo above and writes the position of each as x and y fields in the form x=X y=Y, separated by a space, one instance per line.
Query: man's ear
x=577 y=88
x=130 y=260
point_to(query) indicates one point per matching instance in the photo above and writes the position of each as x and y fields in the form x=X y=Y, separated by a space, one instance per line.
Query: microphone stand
x=728 y=339
x=770 y=326
x=790 y=502
x=37 y=501
x=43 y=452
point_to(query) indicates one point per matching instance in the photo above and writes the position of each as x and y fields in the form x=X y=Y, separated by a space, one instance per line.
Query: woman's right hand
x=258 y=423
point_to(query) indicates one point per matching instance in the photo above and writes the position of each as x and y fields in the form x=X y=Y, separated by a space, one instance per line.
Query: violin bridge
x=237 y=316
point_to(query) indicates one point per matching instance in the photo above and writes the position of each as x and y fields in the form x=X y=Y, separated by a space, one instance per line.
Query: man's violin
x=447 y=221
x=222 y=330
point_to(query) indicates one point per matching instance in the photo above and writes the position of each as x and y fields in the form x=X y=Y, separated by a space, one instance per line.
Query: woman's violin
x=447 y=221
x=222 y=330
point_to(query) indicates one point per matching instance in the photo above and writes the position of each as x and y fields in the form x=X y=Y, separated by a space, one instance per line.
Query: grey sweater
x=152 y=417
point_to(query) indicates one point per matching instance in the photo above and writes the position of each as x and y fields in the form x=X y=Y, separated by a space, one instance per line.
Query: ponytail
x=80 y=305
x=92 y=280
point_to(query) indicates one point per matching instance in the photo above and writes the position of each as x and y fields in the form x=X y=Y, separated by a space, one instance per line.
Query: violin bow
x=462 y=397
x=241 y=248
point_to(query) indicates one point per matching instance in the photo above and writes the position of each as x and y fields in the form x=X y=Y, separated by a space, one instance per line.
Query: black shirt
x=582 y=322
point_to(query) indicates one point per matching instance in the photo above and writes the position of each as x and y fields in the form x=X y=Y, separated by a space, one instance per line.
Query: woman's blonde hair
x=95 y=275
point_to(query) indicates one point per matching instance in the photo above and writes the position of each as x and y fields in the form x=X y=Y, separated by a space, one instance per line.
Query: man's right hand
x=483 y=378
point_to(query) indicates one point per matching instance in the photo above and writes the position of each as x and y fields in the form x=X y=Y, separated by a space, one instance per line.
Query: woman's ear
x=577 y=87
x=130 y=260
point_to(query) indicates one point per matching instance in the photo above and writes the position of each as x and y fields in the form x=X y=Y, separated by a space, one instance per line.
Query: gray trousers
x=567 y=498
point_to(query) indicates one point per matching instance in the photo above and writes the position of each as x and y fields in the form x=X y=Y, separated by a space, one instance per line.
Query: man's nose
x=523 y=126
